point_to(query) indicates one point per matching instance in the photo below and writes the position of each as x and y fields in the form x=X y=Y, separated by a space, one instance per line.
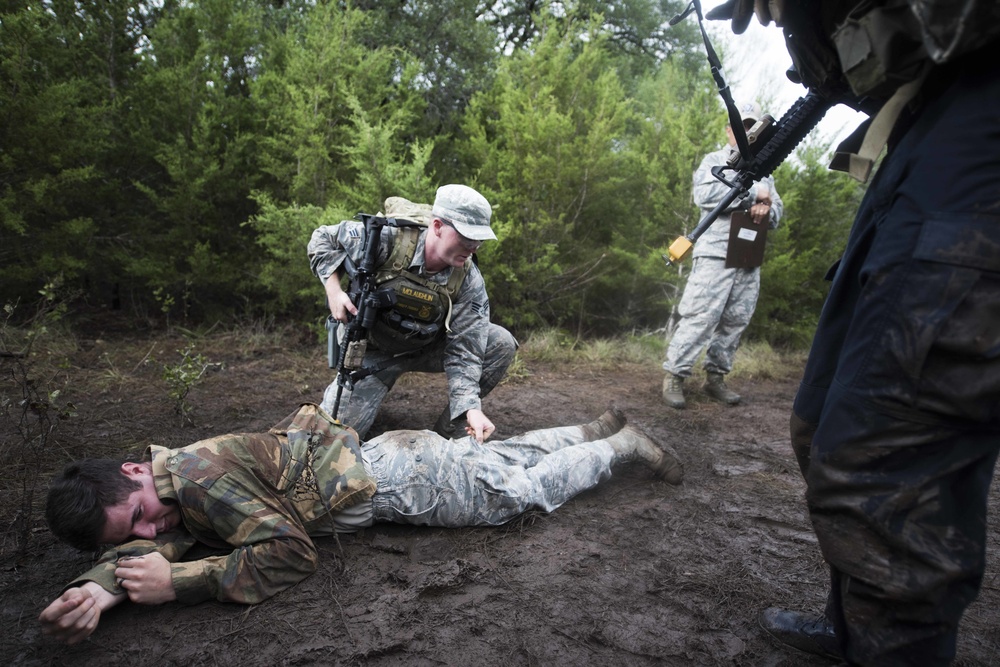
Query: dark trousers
x=903 y=383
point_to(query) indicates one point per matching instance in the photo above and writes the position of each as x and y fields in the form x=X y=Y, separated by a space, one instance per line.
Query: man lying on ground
x=265 y=495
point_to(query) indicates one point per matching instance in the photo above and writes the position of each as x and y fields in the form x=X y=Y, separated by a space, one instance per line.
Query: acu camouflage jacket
x=261 y=495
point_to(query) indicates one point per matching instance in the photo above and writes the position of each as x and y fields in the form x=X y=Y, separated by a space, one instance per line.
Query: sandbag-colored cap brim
x=467 y=210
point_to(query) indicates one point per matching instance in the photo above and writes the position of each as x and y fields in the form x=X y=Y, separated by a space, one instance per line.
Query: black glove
x=740 y=11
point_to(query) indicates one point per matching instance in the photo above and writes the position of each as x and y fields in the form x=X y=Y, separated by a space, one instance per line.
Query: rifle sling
x=859 y=164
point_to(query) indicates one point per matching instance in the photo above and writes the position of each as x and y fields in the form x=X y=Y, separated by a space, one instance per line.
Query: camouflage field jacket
x=261 y=495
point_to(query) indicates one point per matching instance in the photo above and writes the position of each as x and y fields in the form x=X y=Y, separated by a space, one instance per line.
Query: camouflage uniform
x=896 y=425
x=474 y=355
x=264 y=496
x=717 y=303
x=261 y=495
x=426 y=480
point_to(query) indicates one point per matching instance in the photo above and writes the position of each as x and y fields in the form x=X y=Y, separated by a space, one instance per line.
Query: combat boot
x=716 y=387
x=673 y=391
x=445 y=427
x=632 y=444
x=811 y=633
x=606 y=425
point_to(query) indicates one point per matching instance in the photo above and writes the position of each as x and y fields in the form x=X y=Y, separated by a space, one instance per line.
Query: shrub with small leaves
x=183 y=376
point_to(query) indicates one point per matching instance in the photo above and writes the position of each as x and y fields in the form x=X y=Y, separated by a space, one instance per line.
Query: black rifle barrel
x=792 y=128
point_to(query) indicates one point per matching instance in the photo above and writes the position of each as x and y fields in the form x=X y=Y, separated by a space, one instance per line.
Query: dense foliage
x=171 y=158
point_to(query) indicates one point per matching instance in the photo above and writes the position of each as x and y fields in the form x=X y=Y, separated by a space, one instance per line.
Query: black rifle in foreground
x=769 y=144
x=368 y=299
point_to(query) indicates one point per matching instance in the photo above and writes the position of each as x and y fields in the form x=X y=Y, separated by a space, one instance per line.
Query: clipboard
x=746 y=242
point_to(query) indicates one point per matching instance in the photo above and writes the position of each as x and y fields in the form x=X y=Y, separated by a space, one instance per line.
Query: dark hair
x=78 y=497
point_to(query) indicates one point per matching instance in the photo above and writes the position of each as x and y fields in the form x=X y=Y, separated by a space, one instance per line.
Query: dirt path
x=635 y=572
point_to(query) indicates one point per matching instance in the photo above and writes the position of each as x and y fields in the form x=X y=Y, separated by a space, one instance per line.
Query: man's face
x=142 y=514
x=452 y=248
x=747 y=124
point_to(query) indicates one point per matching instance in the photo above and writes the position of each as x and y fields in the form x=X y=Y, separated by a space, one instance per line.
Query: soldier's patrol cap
x=467 y=210
x=750 y=111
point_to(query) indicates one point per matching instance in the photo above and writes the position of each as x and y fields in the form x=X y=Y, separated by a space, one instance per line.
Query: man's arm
x=777 y=206
x=329 y=248
x=171 y=546
x=337 y=299
x=465 y=351
x=330 y=244
x=74 y=615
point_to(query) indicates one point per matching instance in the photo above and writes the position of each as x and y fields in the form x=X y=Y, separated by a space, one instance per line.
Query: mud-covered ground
x=634 y=572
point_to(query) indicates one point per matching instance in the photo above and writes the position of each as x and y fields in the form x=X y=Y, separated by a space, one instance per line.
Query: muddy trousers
x=715 y=309
x=426 y=480
x=359 y=407
x=902 y=386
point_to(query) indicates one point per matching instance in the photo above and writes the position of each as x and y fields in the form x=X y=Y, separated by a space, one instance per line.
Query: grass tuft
x=755 y=360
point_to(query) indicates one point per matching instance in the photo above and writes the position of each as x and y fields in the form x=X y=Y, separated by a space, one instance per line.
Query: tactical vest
x=422 y=312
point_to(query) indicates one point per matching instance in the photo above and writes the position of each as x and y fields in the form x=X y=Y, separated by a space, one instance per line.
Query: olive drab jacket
x=259 y=495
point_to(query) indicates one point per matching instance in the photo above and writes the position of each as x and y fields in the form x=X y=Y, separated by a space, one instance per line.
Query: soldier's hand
x=760 y=213
x=480 y=427
x=763 y=195
x=740 y=11
x=146 y=579
x=338 y=300
x=74 y=615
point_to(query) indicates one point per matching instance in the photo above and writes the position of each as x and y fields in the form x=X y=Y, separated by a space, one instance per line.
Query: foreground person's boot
x=632 y=444
x=810 y=633
x=716 y=387
x=673 y=391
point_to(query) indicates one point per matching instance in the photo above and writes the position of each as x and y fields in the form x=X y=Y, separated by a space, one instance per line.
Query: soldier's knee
x=500 y=346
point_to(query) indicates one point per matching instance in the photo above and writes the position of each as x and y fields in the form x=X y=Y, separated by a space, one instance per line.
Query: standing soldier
x=720 y=295
x=896 y=424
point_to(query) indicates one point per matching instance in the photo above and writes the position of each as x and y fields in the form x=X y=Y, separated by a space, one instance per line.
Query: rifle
x=776 y=141
x=369 y=299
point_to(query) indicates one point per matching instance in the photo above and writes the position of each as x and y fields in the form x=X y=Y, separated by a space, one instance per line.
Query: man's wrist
x=103 y=598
